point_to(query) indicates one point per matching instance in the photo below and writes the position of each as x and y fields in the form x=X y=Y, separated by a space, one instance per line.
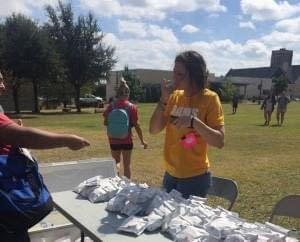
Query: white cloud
x=149 y=9
x=193 y=5
x=137 y=29
x=220 y=55
x=289 y=25
x=122 y=8
x=142 y=53
x=248 y=24
x=188 y=28
x=256 y=47
x=143 y=45
x=281 y=38
x=8 y=7
x=143 y=30
x=164 y=34
x=276 y=40
x=269 y=9
x=23 y=6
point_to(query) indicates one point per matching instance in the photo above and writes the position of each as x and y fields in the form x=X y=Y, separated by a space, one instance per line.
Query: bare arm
x=33 y=138
x=158 y=120
x=213 y=136
x=140 y=134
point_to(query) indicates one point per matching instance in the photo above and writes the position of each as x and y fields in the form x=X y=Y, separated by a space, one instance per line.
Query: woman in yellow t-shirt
x=193 y=118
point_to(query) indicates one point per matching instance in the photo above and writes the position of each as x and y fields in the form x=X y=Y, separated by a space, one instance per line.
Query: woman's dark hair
x=195 y=66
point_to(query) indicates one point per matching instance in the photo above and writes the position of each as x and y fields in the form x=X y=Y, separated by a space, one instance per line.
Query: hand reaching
x=76 y=143
x=19 y=122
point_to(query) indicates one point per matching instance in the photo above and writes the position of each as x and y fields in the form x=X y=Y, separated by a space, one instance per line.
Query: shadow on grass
x=34 y=115
x=272 y=125
x=261 y=125
x=20 y=116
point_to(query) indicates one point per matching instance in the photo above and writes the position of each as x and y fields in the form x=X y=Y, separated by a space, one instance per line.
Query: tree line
x=58 y=58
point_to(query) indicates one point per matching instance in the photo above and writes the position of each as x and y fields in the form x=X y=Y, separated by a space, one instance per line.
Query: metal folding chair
x=224 y=188
x=288 y=206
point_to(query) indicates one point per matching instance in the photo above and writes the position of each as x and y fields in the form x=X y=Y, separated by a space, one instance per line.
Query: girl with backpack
x=119 y=117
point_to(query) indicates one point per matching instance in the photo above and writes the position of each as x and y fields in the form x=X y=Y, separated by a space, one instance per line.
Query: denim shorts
x=196 y=185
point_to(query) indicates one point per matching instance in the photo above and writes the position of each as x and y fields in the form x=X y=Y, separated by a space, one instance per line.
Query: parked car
x=49 y=103
x=90 y=100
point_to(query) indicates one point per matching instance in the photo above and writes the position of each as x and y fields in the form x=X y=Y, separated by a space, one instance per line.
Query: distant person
x=193 y=119
x=282 y=102
x=268 y=107
x=235 y=102
x=14 y=135
x=110 y=100
x=119 y=117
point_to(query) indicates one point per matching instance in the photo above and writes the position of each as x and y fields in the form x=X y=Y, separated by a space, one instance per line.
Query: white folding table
x=95 y=222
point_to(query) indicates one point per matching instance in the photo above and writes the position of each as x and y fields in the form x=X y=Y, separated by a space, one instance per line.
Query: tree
x=45 y=64
x=280 y=83
x=227 y=90
x=133 y=83
x=86 y=58
x=16 y=52
x=27 y=56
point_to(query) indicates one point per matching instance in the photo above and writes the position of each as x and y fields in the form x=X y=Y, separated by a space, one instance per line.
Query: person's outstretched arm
x=33 y=138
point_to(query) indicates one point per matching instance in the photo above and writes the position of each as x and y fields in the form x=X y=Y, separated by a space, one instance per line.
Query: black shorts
x=121 y=146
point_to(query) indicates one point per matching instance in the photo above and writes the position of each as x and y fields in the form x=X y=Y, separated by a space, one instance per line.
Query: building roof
x=260 y=72
x=293 y=72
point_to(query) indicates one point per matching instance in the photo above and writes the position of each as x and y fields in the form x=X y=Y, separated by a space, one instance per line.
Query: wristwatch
x=192 y=121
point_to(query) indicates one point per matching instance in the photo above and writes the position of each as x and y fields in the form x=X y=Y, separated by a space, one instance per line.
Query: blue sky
x=149 y=33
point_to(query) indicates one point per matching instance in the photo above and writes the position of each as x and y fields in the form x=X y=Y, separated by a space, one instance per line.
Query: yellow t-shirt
x=182 y=162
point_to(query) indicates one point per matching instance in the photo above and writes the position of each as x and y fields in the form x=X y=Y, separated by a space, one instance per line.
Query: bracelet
x=192 y=122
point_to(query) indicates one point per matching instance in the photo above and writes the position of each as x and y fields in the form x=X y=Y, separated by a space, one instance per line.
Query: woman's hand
x=75 y=142
x=167 y=87
x=182 y=122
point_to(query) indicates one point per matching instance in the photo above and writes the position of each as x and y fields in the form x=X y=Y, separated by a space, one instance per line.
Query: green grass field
x=265 y=161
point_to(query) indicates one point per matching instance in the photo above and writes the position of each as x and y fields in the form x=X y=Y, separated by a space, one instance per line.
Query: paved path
x=62 y=176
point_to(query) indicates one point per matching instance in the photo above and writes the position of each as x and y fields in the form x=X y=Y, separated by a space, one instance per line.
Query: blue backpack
x=24 y=198
x=118 y=122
